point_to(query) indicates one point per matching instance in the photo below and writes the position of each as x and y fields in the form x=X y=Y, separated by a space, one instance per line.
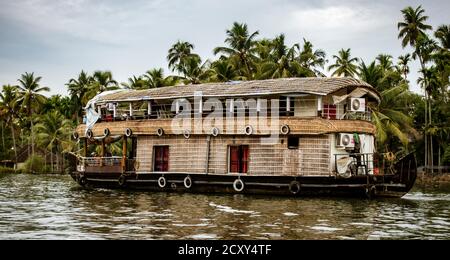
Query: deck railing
x=96 y=163
x=363 y=164
x=355 y=164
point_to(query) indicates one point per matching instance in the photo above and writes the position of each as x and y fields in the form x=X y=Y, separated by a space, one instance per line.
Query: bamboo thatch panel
x=315 y=156
x=189 y=155
x=298 y=126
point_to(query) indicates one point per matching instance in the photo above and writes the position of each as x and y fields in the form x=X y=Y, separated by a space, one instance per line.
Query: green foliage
x=4 y=170
x=344 y=64
x=446 y=156
x=35 y=164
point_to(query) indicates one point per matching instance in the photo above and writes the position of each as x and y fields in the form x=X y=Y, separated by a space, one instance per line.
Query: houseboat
x=293 y=136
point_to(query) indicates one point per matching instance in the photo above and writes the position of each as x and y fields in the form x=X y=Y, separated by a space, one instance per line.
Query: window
x=238 y=159
x=293 y=142
x=287 y=106
x=161 y=158
x=329 y=111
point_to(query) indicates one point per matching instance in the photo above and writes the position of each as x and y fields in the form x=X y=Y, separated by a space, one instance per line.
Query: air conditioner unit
x=345 y=140
x=357 y=105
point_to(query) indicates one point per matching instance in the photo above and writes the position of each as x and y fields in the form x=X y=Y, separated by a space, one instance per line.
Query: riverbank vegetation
x=406 y=121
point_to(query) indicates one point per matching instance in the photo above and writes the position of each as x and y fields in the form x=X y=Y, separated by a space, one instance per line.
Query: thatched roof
x=315 y=86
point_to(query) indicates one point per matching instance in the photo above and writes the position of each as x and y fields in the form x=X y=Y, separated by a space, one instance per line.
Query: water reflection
x=49 y=207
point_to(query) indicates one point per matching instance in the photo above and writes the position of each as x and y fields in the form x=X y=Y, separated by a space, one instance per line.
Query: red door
x=239 y=159
x=161 y=159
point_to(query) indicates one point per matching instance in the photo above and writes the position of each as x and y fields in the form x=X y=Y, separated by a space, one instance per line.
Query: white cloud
x=100 y=21
x=337 y=19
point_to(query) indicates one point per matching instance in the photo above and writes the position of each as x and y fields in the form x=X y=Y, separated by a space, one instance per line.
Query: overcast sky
x=57 y=39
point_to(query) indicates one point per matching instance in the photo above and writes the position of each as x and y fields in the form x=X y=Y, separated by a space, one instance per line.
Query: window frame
x=241 y=158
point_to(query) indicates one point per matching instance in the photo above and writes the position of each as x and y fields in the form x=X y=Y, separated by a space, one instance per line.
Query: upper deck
x=307 y=105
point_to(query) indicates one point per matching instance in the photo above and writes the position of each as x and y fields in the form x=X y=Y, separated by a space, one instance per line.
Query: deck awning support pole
x=288 y=104
x=131 y=110
x=103 y=152
x=319 y=106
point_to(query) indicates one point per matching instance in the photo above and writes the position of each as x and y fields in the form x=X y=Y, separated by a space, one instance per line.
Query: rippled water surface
x=54 y=207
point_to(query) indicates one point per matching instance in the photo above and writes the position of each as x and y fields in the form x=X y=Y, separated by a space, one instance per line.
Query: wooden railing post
x=124 y=154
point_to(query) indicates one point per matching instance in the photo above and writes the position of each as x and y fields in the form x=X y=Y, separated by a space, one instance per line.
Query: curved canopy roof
x=315 y=86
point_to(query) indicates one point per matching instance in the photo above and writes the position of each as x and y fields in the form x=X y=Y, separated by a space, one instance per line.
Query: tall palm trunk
x=425 y=134
x=14 y=143
x=428 y=144
x=58 y=168
x=51 y=161
x=32 y=143
x=3 y=138
x=439 y=159
x=431 y=136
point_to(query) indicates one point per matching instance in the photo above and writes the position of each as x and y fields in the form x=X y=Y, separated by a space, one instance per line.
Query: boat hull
x=367 y=186
x=356 y=186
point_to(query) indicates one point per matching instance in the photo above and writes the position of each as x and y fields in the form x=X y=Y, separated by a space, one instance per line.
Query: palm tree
x=344 y=65
x=263 y=50
x=312 y=59
x=31 y=99
x=371 y=74
x=135 y=83
x=8 y=111
x=280 y=50
x=195 y=71
x=403 y=65
x=281 y=62
x=241 y=47
x=443 y=34
x=385 y=62
x=101 y=81
x=413 y=25
x=179 y=53
x=77 y=89
x=390 y=117
x=155 y=79
x=52 y=132
x=412 y=32
x=223 y=71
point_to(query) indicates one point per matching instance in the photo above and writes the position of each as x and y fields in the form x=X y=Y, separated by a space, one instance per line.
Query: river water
x=54 y=207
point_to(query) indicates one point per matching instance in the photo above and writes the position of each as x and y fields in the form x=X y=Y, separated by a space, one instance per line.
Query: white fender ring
x=162 y=182
x=187 y=182
x=187 y=134
x=215 y=131
x=285 y=129
x=249 y=130
x=160 y=131
x=128 y=132
x=238 y=185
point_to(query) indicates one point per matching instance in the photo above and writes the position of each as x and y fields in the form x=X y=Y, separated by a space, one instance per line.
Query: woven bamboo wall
x=185 y=154
x=315 y=156
x=189 y=155
x=298 y=126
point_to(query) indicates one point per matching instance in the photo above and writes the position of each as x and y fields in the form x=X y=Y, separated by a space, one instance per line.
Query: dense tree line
x=405 y=121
